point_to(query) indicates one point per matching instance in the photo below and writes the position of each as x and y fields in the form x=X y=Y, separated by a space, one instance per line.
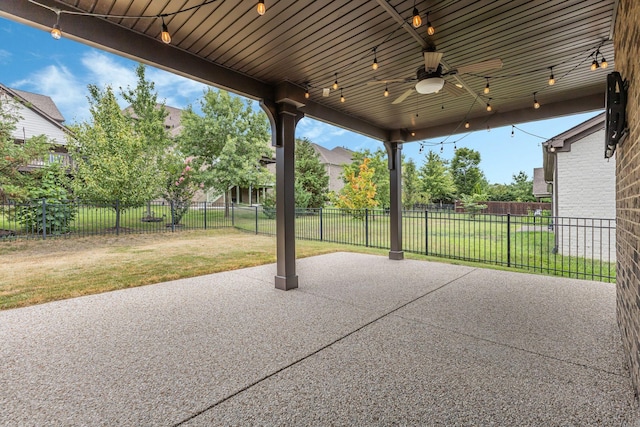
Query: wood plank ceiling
x=308 y=42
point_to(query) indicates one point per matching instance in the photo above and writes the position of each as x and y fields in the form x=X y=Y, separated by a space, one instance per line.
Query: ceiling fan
x=430 y=77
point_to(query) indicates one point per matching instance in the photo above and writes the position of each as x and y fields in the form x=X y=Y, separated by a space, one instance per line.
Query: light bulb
x=467 y=125
x=165 y=36
x=55 y=32
x=261 y=8
x=416 y=21
x=375 y=64
x=386 y=91
x=341 y=96
x=306 y=94
x=604 y=63
x=413 y=134
x=594 y=65
x=486 y=88
x=430 y=30
x=552 y=149
x=536 y=104
x=552 y=81
x=335 y=83
x=489 y=107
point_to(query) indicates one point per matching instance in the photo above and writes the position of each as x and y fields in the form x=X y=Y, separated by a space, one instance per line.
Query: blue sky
x=31 y=60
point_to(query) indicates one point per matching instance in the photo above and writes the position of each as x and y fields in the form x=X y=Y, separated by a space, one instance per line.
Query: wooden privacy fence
x=513 y=208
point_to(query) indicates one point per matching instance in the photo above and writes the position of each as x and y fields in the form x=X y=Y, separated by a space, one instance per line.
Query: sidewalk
x=363 y=341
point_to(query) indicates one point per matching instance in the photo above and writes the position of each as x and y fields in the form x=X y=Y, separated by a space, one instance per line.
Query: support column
x=284 y=117
x=394 y=150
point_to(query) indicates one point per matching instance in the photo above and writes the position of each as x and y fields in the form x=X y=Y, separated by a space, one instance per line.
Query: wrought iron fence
x=40 y=219
x=573 y=247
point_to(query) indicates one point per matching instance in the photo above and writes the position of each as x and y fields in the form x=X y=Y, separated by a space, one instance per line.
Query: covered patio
x=445 y=345
x=425 y=342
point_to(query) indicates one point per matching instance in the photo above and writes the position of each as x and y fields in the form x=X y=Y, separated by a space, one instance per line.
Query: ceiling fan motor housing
x=429 y=82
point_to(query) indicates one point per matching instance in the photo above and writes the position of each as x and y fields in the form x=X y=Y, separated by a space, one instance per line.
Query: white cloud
x=62 y=86
x=319 y=132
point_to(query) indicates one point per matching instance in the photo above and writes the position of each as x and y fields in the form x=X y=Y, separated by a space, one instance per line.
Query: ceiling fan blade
x=478 y=67
x=377 y=82
x=452 y=89
x=432 y=60
x=404 y=96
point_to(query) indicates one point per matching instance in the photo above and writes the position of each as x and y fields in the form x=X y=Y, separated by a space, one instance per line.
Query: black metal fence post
x=44 y=219
x=508 y=240
x=426 y=232
x=118 y=217
x=173 y=216
x=205 y=215
x=321 y=233
x=233 y=214
x=256 y=219
x=366 y=227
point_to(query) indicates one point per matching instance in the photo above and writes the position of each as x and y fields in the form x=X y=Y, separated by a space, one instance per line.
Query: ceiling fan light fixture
x=430 y=85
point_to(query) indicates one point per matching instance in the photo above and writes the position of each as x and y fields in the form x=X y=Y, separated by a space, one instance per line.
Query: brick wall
x=627 y=42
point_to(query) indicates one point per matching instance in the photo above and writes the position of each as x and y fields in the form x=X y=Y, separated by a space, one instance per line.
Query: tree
x=13 y=183
x=359 y=193
x=377 y=162
x=522 y=188
x=227 y=143
x=115 y=163
x=465 y=171
x=411 y=185
x=311 y=176
x=437 y=183
x=180 y=185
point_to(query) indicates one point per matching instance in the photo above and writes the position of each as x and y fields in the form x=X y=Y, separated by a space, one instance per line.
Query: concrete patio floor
x=363 y=341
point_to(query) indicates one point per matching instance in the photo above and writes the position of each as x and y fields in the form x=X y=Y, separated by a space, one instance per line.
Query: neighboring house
x=541 y=190
x=39 y=116
x=334 y=161
x=583 y=187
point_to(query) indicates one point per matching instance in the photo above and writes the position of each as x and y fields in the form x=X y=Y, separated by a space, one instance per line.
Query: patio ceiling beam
x=583 y=104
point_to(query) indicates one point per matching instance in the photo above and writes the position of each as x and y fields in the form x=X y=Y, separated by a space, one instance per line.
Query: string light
x=603 y=63
x=486 y=88
x=306 y=92
x=165 y=36
x=536 y=104
x=335 y=83
x=488 y=128
x=594 y=65
x=512 y=130
x=552 y=81
x=261 y=8
x=489 y=105
x=55 y=31
x=341 y=96
x=374 y=66
x=467 y=125
x=386 y=91
x=413 y=133
x=430 y=30
x=421 y=149
x=416 y=20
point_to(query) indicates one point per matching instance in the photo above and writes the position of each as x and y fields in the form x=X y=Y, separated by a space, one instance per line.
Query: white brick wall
x=586 y=186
